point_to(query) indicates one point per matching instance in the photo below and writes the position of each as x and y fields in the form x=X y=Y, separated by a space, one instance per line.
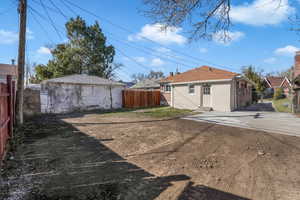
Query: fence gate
x=140 y=98
x=7 y=98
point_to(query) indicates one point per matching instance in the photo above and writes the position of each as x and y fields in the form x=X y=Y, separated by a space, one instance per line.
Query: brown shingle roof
x=6 y=69
x=275 y=81
x=203 y=73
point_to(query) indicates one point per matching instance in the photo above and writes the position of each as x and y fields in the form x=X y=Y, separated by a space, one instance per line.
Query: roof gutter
x=204 y=81
x=71 y=83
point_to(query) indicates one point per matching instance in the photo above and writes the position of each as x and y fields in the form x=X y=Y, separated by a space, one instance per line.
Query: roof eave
x=201 y=81
x=71 y=83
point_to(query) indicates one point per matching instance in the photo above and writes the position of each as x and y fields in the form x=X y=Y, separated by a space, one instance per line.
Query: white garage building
x=80 y=92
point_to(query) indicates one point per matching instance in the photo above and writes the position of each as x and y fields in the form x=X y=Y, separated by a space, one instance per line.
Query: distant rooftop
x=274 y=81
x=147 y=84
x=83 y=79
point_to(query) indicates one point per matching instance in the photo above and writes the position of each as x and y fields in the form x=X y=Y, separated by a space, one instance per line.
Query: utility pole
x=21 y=60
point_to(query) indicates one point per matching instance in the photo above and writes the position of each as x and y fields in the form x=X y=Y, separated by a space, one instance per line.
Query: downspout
x=172 y=95
x=235 y=95
x=201 y=95
x=111 y=99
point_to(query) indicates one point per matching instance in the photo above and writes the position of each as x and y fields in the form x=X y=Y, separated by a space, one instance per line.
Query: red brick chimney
x=297 y=64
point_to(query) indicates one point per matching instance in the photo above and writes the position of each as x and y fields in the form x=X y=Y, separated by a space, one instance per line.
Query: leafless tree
x=206 y=17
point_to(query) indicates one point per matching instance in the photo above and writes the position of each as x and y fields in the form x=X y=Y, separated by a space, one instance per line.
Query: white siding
x=221 y=97
x=182 y=99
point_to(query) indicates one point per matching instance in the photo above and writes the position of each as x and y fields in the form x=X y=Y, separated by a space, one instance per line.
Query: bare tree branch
x=206 y=17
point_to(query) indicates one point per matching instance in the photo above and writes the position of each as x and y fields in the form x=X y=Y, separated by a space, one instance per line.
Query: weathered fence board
x=6 y=113
x=140 y=98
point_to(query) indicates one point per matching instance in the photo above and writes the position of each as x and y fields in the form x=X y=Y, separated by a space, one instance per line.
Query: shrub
x=278 y=94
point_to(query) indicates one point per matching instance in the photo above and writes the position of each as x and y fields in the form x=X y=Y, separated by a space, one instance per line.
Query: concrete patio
x=273 y=122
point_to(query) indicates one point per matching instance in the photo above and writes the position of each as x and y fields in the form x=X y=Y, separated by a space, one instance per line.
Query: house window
x=191 y=89
x=167 y=88
x=206 y=90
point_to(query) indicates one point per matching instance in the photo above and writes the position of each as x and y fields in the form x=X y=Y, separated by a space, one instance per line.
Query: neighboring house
x=80 y=92
x=297 y=81
x=206 y=88
x=6 y=69
x=147 y=84
x=127 y=84
x=274 y=82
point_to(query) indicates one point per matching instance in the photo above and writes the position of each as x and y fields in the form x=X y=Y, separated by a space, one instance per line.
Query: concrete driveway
x=268 y=121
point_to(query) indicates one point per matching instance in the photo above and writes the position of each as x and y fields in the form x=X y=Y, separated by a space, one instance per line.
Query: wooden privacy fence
x=7 y=99
x=140 y=98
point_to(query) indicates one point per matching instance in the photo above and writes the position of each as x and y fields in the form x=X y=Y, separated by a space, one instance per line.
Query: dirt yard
x=129 y=155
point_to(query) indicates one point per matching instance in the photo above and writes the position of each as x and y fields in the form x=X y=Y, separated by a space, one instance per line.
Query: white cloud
x=140 y=59
x=156 y=62
x=270 y=60
x=262 y=12
x=8 y=37
x=158 y=33
x=288 y=50
x=44 y=50
x=163 y=50
x=230 y=37
x=203 y=50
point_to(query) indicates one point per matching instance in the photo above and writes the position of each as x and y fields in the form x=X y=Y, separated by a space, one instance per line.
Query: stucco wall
x=221 y=97
x=182 y=99
x=61 y=97
x=224 y=96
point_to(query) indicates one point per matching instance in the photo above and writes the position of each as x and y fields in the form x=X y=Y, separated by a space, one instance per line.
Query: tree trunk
x=21 y=61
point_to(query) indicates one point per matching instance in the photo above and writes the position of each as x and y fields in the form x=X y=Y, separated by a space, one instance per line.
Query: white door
x=206 y=96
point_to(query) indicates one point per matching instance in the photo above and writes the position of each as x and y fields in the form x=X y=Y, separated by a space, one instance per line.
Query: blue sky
x=261 y=36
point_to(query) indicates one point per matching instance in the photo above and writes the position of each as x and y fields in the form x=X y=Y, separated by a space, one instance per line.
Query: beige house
x=206 y=88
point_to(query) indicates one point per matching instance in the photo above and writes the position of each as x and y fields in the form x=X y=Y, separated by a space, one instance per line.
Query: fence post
x=10 y=104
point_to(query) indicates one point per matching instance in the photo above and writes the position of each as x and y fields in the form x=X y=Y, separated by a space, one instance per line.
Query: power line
x=42 y=27
x=173 y=59
x=50 y=19
x=12 y=5
x=170 y=60
x=145 y=50
x=129 y=31
x=45 y=19
x=68 y=7
x=151 y=52
x=46 y=6
x=59 y=10
x=132 y=59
